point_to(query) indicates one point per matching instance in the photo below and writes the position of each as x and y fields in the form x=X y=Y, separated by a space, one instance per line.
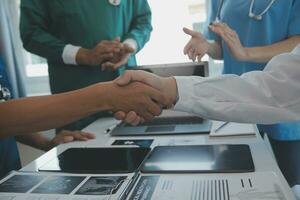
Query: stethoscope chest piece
x=114 y=2
x=253 y=16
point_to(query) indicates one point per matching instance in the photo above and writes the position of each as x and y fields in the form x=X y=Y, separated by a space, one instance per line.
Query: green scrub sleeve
x=36 y=37
x=141 y=27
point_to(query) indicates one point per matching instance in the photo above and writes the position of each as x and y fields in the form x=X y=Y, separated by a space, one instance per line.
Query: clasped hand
x=163 y=95
x=111 y=55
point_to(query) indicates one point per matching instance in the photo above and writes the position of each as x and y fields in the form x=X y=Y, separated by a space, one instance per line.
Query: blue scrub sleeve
x=294 y=25
x=212 y=13
x=141 y=27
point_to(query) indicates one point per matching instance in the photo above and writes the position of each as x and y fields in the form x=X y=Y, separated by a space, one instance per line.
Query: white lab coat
x=262 y=97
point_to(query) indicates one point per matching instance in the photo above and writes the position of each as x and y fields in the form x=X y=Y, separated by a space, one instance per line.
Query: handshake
x=139 y=96
x=109 y=54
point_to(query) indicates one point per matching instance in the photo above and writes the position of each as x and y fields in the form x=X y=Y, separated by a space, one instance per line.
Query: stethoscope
x=114 y=2
x=251 y=14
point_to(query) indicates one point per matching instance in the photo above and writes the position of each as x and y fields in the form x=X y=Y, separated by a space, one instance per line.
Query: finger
x=190 y=54
x=107 y=66
x=120 y=115
x=160 y=98
x=154 y=108
x=147 y=116
x=195 y=54
x=78 y=136
x=137 y=121
x=119 y=64
x=109 y=46
x=130 y=117
x=125 y=78
x=187 y=48
x=88 y=135
x=199 y=57
x=108 y=49
x=135 y=75
x=66 y=139
x=190 y=32
x=219 y=32
x=105 y=57
x=222 y=27
x=109 y=43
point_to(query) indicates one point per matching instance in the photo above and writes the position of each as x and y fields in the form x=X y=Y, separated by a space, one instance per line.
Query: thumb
x=124 y=79
x=147 y=78
x=190 y=32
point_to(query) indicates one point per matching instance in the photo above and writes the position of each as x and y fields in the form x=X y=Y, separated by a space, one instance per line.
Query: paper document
x=254 y=186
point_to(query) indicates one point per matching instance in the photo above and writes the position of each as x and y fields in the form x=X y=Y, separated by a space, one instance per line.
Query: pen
x=110 y=129
x=220 y=127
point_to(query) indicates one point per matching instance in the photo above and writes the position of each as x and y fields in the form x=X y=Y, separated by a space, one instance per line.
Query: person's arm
x=137 y=36
x=35 y=114
x=38 y=141
x=260 y=54
x=264 y=54
x=263 y=97
x=37 y=38
x=141 y=26
x=35 y=33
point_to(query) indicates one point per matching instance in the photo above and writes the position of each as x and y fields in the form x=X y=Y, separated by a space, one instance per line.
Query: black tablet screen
x=199 y=159
x=98 y=160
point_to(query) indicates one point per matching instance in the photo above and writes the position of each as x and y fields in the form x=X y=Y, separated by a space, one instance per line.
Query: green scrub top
x=47 y=26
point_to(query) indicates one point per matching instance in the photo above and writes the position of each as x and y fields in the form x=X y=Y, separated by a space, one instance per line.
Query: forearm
x=141 y=27
x=265 y=53
x=35 y=140
x=264 y=97
x=215 y=50
x=35 y=114
x=36 y=36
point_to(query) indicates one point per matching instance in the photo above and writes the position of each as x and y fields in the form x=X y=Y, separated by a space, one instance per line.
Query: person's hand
x=69 y=136
x=120 y=59
x=232 y=40
x=145 y=101
x=197 y=47
x=166 y=85
x=103 y=52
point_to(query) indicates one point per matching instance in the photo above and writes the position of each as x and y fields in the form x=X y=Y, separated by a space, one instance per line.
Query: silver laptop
x=170 y=122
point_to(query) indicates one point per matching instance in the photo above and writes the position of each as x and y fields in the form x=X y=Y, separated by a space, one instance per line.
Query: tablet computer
x=97 y=160
x=199 y=159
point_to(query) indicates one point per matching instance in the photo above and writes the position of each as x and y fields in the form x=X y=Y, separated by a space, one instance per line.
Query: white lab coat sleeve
x=263 y=97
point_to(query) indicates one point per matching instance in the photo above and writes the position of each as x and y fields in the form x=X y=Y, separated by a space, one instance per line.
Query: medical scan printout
x=57 y=186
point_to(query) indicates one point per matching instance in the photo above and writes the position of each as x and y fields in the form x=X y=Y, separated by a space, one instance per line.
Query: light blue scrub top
x=280 y=22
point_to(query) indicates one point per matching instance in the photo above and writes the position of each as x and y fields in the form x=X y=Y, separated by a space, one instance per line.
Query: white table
x=262 y=157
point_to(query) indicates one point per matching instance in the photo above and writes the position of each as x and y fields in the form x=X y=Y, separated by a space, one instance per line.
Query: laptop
x=170 y=122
